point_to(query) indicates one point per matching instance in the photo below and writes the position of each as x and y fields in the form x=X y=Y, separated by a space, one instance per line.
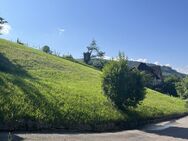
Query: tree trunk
x=87 y=57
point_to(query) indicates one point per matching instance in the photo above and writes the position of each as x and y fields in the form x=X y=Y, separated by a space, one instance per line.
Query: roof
x=152 y=69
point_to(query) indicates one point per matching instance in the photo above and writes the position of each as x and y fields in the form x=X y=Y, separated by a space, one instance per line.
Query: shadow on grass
x=8 y=67
x=20 y=78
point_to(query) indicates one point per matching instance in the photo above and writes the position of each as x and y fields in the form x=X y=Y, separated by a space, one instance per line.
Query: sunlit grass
x=53 y=91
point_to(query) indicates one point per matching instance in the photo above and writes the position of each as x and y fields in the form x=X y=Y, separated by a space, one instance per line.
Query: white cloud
x=183 y=70
x=156 y=63
x=167 y=65
x=140 y=60
x=159 y=64
x=107 y=57
x=146 y=61
x=61 y=30
x=5 y=29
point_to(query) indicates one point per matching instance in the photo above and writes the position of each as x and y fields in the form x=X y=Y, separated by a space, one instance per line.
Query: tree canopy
x=46 y=49
x=92 y=52
x=2 y=22
x=182 y=88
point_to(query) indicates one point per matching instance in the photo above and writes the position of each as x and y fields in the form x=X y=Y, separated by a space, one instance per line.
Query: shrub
x=182 y=88
x=169 y=85
x=123 y=86
x=68 y=57
x=46 y=49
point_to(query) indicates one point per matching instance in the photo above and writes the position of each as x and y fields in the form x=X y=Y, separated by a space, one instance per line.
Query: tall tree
x=2 y=22
x=182 y=88
x=92 y=52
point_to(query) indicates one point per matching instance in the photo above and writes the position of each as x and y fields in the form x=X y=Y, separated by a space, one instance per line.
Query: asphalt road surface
x=175 y=130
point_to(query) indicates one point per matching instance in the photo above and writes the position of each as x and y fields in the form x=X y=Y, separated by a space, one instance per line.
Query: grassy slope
x=48 y=90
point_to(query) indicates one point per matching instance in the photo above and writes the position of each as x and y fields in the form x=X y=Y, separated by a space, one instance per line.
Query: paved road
x=176 y=130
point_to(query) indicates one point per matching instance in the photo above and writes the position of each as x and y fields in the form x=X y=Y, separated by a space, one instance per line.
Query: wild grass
x=157 y=105
x=47 y=91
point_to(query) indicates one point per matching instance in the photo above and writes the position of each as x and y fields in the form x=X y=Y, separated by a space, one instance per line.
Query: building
x=153 y=70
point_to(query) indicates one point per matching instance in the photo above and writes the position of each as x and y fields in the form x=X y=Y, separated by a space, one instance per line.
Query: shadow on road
x=7 y=137
x=176 y=132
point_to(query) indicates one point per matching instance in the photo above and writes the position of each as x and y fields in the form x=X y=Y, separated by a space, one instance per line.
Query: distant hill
x=169 y=71
x=166 y=71
x=42 y=91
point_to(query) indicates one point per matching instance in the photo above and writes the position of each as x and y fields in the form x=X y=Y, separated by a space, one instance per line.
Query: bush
x=46 y=49
x=68 y=57
x=169 y=85
x=123 y=86
x=182 y=88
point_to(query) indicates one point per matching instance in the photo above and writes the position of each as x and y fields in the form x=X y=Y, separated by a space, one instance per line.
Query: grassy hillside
x=38 y=90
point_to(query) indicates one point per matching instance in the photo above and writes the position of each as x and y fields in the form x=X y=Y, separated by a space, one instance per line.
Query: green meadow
x=46 y=91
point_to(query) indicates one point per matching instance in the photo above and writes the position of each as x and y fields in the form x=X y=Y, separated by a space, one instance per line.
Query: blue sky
x=152 y=30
